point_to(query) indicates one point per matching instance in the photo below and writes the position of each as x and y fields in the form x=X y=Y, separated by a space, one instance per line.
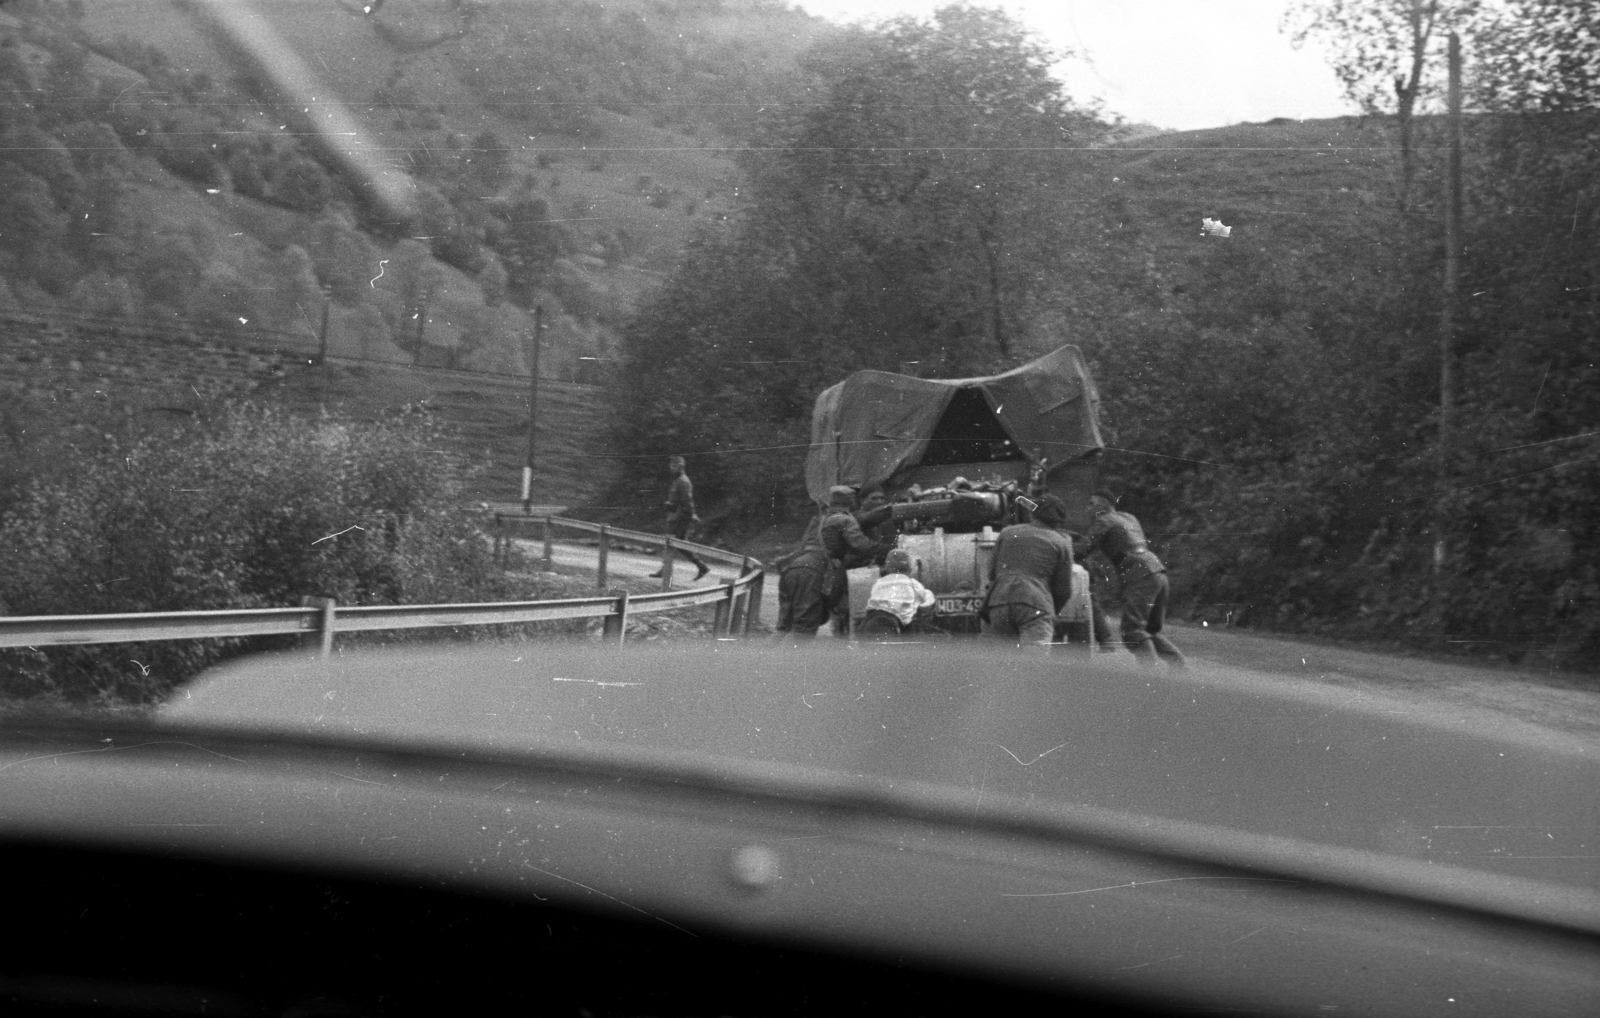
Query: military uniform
x=850 y=548
x=802 y=600
x=1143 y=579
x=802 y=590
x=1031 y=579
x=681 y=513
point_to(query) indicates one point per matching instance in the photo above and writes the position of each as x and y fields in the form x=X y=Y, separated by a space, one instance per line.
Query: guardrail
x=508 y=526
x=738 y=605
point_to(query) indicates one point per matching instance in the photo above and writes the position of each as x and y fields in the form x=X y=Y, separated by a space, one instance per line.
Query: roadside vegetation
x=255 y=509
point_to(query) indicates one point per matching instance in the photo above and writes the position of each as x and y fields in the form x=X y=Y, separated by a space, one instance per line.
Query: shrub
x=256 y=509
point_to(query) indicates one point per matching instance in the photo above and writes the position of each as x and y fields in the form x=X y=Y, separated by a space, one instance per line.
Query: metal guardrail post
x=325 y=624
x=605 y=547
x=549 y=550
x=719 y=623
x=752 y=602
x=1094 y=641
x=666 y=563
x=741 y=603
x=615 y=627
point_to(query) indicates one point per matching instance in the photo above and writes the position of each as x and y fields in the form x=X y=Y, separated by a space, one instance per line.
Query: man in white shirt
x=897 y=598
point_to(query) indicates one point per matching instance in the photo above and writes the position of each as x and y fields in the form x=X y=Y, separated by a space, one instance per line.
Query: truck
x=955 y=458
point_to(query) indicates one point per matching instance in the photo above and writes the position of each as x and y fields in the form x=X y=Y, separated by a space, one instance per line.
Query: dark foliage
x=1271 y=399
x=890 y=222
x=256 y=510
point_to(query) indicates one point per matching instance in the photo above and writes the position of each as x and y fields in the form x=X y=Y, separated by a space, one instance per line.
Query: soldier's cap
x=1052 y=511
x=841 y=494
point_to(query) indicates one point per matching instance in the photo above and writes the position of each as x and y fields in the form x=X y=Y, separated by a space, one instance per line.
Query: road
x=1569 y=704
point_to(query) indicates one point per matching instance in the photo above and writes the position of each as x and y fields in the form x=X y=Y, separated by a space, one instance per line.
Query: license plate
x=959 y=605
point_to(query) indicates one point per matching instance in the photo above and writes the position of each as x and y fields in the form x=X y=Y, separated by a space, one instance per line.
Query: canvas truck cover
x=876 y=424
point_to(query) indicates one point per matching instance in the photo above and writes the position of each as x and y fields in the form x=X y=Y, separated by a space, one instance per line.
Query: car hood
x=1224 y=764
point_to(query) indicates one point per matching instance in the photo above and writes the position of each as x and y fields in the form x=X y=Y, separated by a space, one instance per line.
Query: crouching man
x=898 y=603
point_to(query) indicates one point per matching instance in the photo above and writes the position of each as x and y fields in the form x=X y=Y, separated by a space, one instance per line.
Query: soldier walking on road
x=1119 y=537
x=1031 y=577
x=681 y=513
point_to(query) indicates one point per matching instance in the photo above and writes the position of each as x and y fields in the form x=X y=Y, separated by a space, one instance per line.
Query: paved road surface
x=1563 y=703
x=638 y=566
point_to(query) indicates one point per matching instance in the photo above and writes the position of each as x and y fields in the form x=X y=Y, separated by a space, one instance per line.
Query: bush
x=255 y=510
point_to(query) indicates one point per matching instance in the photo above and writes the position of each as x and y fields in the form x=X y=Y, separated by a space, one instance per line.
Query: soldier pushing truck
x=979 y=481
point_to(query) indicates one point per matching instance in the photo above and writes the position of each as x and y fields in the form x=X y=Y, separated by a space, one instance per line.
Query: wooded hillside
x=556 y=154
x=1271 y=395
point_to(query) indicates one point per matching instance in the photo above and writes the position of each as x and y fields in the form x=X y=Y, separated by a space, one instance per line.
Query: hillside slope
x=485 y=420
x=562 y=155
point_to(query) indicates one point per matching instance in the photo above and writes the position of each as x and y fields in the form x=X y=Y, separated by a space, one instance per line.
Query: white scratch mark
x=352 y=777
x=144 y=669
x=1129 y=968
x=807 y=702
x=374 y=281
x=109 y=749
x=1247 y=936
x=120 y=95
x=330 y=537
x=596 y=682
x=1142 y=883
x=1036 y=759
x=619 y=901
x=1214 y=228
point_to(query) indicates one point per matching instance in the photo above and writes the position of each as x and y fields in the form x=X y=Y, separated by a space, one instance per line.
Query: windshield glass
x=327 y=308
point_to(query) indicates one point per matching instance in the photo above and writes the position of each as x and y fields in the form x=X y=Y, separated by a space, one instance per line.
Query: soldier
x=1143 y=579
x=802 y=591
x=681 y=513
x=1030 y=577
x=876 y=517
x=849 y=547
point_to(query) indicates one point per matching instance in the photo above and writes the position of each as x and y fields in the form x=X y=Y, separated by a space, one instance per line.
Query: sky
x=1178 y=64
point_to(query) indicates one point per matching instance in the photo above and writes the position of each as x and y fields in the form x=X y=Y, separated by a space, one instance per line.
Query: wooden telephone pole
x=1451 y=299
x=533 y=409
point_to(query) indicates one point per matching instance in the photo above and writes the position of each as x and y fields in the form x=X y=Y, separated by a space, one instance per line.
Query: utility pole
x=322 y=339
x=422 y=324
x=1447 y=313
x=322 y=336
x=533 y=409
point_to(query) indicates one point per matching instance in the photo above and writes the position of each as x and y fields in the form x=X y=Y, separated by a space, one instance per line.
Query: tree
x=420 y=278
x=34 y=224
x=927 y=170
x=1384 y=46
x=528 y=243
x=911 y=211
x=1539 y=56
x=1524 y=526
